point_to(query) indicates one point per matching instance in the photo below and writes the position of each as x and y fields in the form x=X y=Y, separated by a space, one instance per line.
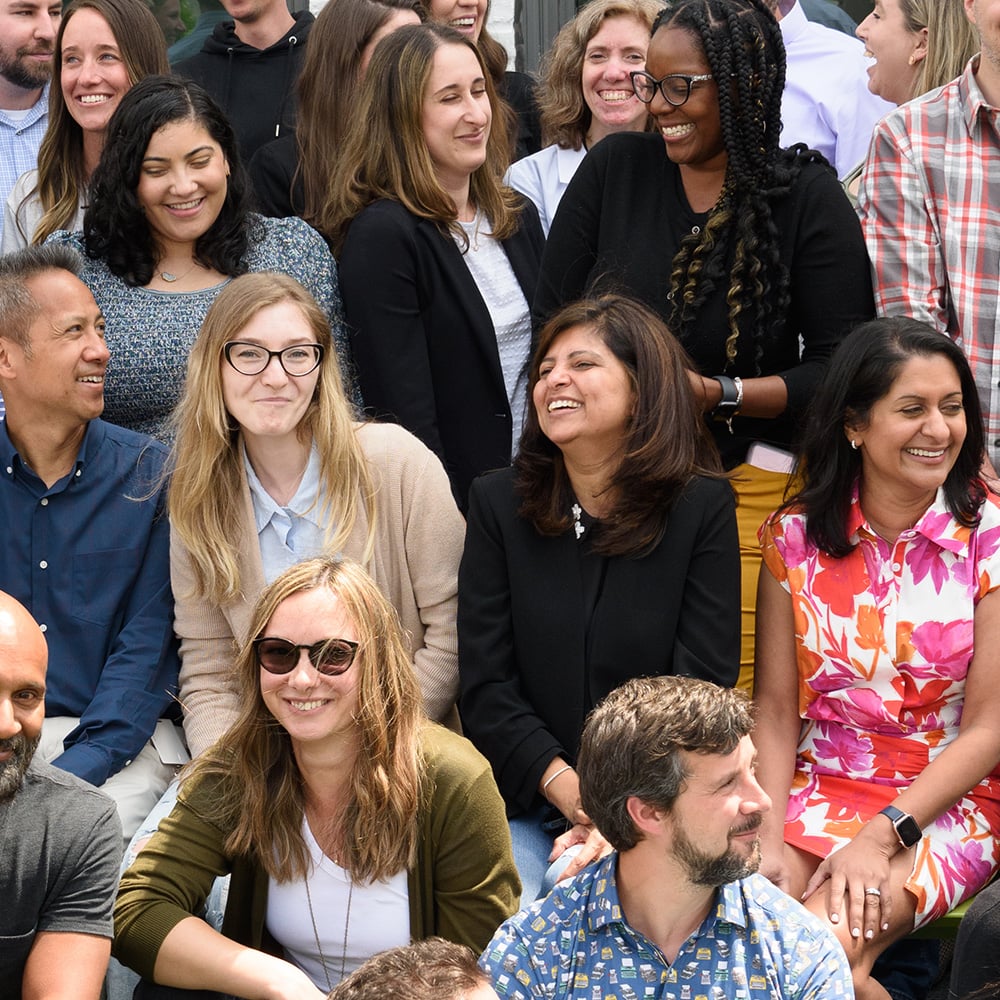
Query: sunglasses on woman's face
x=328 y=656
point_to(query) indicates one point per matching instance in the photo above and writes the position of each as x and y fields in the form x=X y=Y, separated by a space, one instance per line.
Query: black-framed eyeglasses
x=676 y=88
x=252 y=359
x=328 y=656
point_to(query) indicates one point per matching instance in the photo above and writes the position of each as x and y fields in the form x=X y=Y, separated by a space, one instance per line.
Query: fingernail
x=885 y=926
x=834 y=918
x=855 y=932
x=869 y=935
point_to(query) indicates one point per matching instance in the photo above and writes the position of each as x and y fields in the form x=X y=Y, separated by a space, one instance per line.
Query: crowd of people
x=479 y=536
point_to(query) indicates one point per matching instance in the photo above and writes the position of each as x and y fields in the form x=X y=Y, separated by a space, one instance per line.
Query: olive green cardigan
x=463 y=886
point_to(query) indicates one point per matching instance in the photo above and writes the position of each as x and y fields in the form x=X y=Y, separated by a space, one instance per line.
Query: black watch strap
x=907 y=830
x=727 y=406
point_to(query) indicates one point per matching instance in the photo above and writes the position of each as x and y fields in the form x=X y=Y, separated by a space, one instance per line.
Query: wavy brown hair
x=61 y=175
x=260 y=792
x=328 y=87
x=665 y=445
x=385 y=153
x=565 y=115
x=206 y=484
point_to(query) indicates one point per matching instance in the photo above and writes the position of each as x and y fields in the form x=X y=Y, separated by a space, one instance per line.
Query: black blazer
x=528 y=671
x=423 y=340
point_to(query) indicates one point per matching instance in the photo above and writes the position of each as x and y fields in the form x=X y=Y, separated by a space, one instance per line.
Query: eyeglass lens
x=252 y=359
x=676 y=89
x=328 y=656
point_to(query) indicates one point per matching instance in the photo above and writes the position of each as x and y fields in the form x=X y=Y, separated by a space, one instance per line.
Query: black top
x=546 y=627
x=272 y=170
x=255 y=87
x=620 y=224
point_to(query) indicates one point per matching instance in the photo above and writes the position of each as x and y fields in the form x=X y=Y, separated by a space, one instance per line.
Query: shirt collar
x=37 y=110
x=304 y=504
x=937 y=524
x=93 y=437
x=971 y=98
x=567 y=160
x=793 y=24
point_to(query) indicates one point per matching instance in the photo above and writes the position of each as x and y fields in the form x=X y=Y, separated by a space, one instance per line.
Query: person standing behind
x=88 y=549
x=586 y=94
x=438 y=259
x=249 y=64
x=27 y=40
x=928 y=216
x=103 y=47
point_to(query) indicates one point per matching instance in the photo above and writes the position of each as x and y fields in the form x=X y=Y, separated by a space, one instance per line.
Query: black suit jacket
x=423 y=340
x=529 y=672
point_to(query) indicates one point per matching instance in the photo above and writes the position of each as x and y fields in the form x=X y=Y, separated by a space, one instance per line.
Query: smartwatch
x=732 y=398
x=904 y=824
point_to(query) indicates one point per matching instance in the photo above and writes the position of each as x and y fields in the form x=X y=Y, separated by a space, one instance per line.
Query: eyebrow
x=186 y=156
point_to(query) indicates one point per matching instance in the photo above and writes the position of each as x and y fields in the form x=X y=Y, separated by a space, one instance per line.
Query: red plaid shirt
x=930 y=209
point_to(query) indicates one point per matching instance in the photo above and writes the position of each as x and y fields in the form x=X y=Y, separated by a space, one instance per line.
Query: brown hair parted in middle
x=666 y=444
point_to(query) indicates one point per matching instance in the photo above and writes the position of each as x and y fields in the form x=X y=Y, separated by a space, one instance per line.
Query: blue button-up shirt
x=90 y=558
x=757 y=944
x=20 y=137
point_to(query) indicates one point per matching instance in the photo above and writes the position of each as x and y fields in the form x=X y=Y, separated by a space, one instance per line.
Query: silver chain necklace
x=347 y=927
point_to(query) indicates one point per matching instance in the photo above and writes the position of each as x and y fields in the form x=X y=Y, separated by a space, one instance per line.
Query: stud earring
x=854 y=444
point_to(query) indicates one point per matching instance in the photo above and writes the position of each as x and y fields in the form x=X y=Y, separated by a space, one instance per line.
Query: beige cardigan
x=419 y=535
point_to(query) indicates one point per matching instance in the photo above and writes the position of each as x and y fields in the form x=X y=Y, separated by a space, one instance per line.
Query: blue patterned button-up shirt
x=20 y=138
x=757 y=944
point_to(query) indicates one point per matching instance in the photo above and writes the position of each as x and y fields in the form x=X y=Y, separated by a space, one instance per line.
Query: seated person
x=433 y=969
x=667 y=772
x=90 y=557
x=61 y=841
x=349 y=823
x=878 y=684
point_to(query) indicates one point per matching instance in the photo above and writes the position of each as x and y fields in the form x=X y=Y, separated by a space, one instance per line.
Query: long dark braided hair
x=738 y=246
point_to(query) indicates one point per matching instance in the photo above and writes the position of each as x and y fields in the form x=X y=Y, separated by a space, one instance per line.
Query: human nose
x=9 y=724
x=617 y=69
x=756 y=799
x=46 y=26
x=862 y=29
x=89 y=72
x=182 y=181
x=303 y=674
x=97 y=349
x=274 y=372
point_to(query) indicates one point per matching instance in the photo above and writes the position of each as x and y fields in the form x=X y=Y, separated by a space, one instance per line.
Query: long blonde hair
x=60 y=156
x=385 y=153
x=258 y=789
x=206 y=487
x=951 y=40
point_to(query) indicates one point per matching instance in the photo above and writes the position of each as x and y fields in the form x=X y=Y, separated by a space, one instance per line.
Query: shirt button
x=43 y=628
x=78 y=471
x=43 y=565
x=10 y=471
x=45 y=501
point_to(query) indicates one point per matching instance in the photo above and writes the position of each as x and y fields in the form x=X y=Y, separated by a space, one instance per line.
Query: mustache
x=753 y=823
x=41 y=50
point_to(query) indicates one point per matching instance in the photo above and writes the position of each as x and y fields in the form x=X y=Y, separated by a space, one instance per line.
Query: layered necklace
x=347 y=928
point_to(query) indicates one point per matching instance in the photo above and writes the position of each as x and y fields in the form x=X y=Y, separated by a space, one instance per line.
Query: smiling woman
x=167 y=227
x=103 y=47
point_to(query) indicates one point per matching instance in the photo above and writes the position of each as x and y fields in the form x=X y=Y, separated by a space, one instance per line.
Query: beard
x=12 y=770
x=17 y=69
x=718 y=869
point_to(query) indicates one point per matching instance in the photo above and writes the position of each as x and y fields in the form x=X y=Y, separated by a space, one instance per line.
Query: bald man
x=60 y=841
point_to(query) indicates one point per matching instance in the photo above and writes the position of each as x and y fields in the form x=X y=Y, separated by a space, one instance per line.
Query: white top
x=21 y=220
x=827 y=103
x=487 y=262
x=543 y=178
x=378 y=917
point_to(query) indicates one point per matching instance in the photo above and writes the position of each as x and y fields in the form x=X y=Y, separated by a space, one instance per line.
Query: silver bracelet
x=567 y=767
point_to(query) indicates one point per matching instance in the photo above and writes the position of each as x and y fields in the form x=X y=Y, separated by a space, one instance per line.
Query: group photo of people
x=500 y=522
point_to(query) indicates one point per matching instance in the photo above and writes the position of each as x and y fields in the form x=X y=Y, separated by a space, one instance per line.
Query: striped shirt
x=20 y=137
x=930 y=211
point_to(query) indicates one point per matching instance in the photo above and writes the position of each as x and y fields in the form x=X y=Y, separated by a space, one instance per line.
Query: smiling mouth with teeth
x=94 y=98
x=563 y=404
x=307 y=706
x=94 y=379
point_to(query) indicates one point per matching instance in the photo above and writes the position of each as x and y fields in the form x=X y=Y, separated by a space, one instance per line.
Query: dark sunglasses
x=328 y=656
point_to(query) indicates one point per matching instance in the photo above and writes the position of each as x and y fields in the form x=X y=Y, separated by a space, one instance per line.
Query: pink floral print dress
x=883 y=643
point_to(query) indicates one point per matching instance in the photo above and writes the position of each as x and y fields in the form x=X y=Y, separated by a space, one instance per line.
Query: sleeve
x=899 y=224
x=497 y=716
x=383 y=297
x=707 y=643
x=139 y=677
x=434 y=533
x=82 y=900
x=476 y=885
x=13 y=218
x=272 y=183
x=571 y=248
x=208 y=692
x=818 y=969
x=510 y=963
x=169 y=880
x=773 y=550
x=829 y=281
x=523 y=177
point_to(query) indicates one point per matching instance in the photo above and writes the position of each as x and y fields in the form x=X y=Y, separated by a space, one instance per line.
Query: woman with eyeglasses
x=269 y=468
x=751 y=254
x=349 y=823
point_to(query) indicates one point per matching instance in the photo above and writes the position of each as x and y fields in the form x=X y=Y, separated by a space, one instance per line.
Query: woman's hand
x=858 y=876
x=593 y=846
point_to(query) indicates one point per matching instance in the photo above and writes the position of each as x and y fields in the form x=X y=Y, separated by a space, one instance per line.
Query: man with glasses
x=87 y=545
x=678 y=911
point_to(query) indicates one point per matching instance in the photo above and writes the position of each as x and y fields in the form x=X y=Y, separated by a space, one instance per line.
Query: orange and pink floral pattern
x=884 y=643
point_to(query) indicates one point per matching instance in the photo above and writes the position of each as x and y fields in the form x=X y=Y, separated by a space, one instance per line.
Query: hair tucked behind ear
x=738 y=248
